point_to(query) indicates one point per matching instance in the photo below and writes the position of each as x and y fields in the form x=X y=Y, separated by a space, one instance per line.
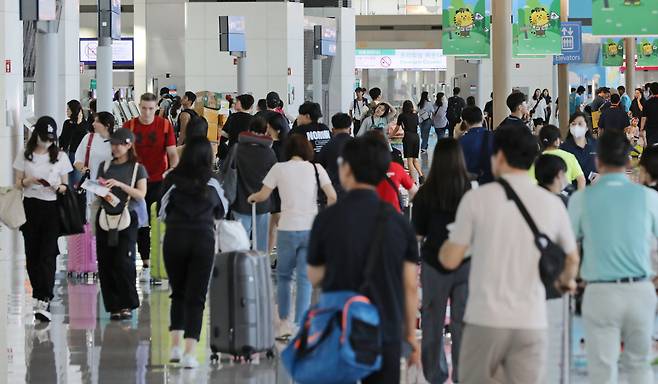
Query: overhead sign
x=419 y=59
x=536 y=28
x=572 y=44
x=122 y=51
x=466 y=30
x=624 y=17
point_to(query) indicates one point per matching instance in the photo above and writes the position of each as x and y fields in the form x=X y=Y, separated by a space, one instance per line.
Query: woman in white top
x=439 y=117
x=93 y=150
x=42 y=172
x=538 y=109
x=298 y=181
x=425 y=112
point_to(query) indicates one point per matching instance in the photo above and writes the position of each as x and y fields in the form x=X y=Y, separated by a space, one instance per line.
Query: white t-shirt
x=298 y=190
x=505 y=290
x=41 y=168
x=540 y=109
x=100 y=151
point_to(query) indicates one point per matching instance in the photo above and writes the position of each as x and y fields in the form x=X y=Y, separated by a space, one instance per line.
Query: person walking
x=155 y=145
x=299 y=181
x=581 y=143
x=550 y=141
x=425 y=112
x=382 y=116
x=576 y=100
x=549 y=102
x=408 y=122
x=454 y=111
x=538 y=110
x=328 y=156
x=506 y=313
x=619 y=304
x=337 y=265
x=625 y=100
x=435 y=206
x=649 y=122
x=614 y=117
x=358 y=108
x=126 y=179
x=637 y=105
x=476 y=145
x=276 y=132
x=73 y=131
x=308 y=125
x=439 y=118
x=192 y=201
x=41 y=172
x=185 y=116
x=254 y=158
x=516 y=102
x=240 y=120
x=550 y=171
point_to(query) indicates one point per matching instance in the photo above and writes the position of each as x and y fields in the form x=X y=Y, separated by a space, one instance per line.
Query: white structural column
x=501 y=56
x=630 y=65
x=317 y=80
x=11 y=140
x=104 y=75
x=69 y=57
x=46 y=91
x=139 y=34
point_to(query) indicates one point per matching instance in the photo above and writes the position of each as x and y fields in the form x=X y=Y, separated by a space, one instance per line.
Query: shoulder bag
x=322 y=197
x=121 y=221
x=552 y=258
x=80 y=192
x=12 y=212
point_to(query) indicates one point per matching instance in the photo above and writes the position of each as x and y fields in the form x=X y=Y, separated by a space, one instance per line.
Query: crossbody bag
x=117 y=222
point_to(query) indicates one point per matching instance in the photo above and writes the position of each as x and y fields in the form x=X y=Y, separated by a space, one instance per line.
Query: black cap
x=46 y=128
x=273 y=100
x=122 y=136
x=359 y=89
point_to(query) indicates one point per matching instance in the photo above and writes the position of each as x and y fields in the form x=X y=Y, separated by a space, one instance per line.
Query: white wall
x=533 y=73
x=69 y=56
x=275 y=42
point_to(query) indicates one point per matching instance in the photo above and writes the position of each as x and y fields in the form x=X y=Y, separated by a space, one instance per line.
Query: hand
x=566 y=286
x=252 y=199
x=62 y=188
x=111 y=183
x=164 y=175
x=414 y=357
x=28 y=181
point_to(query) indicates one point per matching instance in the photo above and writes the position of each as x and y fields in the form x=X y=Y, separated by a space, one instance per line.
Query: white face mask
x=578 y=131
x=43 y=144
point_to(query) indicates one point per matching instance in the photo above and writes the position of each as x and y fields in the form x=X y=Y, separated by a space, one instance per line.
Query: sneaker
x=176 y=355
x=145 y=276
x=189 y=362
x=42 y=311
x=126 y=314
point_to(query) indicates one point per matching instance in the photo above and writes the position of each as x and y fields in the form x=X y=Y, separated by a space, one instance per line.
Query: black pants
x=116 y=268
x=357 y=126
x=451 y=128
x=40 y=234
x=188 y=258
x=390 y=372
x=153 y=192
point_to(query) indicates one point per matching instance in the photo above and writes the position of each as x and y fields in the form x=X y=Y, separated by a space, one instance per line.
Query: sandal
x=126 y=314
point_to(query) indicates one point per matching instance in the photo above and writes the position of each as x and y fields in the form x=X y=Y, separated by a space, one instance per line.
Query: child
x=550 y=171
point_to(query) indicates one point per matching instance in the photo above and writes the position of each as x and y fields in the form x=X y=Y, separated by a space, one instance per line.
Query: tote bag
x=12 y=213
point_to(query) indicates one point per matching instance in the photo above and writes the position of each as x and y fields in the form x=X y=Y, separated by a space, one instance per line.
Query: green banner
x=466 y=29
x=647 y=52
x=612 y=52
x=536 y=28
x=624 y=17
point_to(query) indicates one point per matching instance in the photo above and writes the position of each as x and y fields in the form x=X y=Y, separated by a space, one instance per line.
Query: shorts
x=411 y=145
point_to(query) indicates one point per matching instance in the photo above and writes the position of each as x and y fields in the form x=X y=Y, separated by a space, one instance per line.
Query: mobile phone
x=43 y=182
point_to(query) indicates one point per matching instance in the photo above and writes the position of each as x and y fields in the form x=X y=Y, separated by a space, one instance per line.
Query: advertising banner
x=612 y=52
x=536 y=28
x=647 y=52
x=466 y=27
x=624 y=17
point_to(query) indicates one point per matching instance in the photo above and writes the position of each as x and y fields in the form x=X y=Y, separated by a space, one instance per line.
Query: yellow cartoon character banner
x=466 y=27
x=647 y=52
x=536 y=29
x=624 y=17
x=612 y=52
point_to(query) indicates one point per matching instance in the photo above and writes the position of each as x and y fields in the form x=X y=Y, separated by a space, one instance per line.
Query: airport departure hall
x=329 y=191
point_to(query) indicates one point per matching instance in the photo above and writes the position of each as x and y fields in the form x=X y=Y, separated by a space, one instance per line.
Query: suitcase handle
x=253 y=227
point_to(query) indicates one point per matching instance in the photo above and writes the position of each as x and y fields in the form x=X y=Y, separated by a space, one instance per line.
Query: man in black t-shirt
x=307 y=124
x=328 y=156
x=240 y=120
x=454 y=112
x=650 y=116
x=488 y=112
x=272 y=116
x=339 y=246
x=516 y=102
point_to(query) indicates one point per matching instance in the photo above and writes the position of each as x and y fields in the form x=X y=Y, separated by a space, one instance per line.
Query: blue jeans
x=291 y=249
x=262 y=228
x=74 y=175
x=425 y=127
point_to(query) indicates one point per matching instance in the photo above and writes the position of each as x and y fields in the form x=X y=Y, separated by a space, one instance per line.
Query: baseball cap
x=46 y=128
x=273 y=100
x=121 y=136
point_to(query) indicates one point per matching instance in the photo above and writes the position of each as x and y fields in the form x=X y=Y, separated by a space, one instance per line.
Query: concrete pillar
x=630 y=49
x=501 y=57
x=69 y=57
x=140 y=41
x=242 y=74
x=563 y=81
x=46 y=91
x=317 y=80
x=104 y=75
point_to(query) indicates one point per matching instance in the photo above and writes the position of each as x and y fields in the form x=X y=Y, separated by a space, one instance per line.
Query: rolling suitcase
x=241 y=316
x=82 y=254
x=158 y=271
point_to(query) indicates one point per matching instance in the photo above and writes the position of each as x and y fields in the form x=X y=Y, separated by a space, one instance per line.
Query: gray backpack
x=228 y=175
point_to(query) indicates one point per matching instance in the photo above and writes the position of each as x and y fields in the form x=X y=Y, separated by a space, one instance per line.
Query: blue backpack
x=340 y=339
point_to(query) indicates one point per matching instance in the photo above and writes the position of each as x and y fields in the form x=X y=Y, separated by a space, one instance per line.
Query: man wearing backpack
x=358 y=109
x=155 y=143
x=454 y=113
x=165 y=103
x=187 y=114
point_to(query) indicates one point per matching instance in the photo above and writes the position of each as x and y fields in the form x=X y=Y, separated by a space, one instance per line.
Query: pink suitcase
x=82 y=305
x=82 y=254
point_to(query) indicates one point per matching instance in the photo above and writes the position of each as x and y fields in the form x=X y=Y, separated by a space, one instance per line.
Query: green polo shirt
x=615 y=219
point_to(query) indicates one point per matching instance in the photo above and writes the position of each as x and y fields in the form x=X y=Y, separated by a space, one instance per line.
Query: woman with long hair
x=439 y=117
x=278 y=136
x=298 y=181
x=435 y=207
x=73 y=131
x=192 y=202
x=548 y=99
x=408 y=121
x=582 y=144
x=126 y=179
x=638 y=103
x=538 y=109
x=550 y=141
x=42 y=172
x=425 y=112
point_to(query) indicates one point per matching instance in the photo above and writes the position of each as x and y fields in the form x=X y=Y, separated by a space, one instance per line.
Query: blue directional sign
x=572 y=44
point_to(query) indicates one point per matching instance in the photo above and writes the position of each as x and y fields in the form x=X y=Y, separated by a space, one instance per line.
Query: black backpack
x=454 y=111
x=193 y=115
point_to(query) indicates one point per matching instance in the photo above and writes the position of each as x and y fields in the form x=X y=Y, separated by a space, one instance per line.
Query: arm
x=410 y=278
x=22 y=181
x=451 y=255
x=329 y=190
x=567 y=279
x=261 y=195
x=172 y=155
x=184 y=118
x=138 y=192
x=643 y=122
x=580 y=180
x=315 y=274
x=413 y=191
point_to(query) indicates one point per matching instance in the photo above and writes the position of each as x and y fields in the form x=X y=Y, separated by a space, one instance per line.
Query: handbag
x=231 y=237
x=12 y=212
x=322 y=197
x=340 y=340
x=552 y=258
x=121 y=221
x=70 y=222
x=80 y=192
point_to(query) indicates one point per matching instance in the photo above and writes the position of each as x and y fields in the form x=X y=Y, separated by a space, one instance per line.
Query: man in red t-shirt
x=398 y=176
x=155 y=143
